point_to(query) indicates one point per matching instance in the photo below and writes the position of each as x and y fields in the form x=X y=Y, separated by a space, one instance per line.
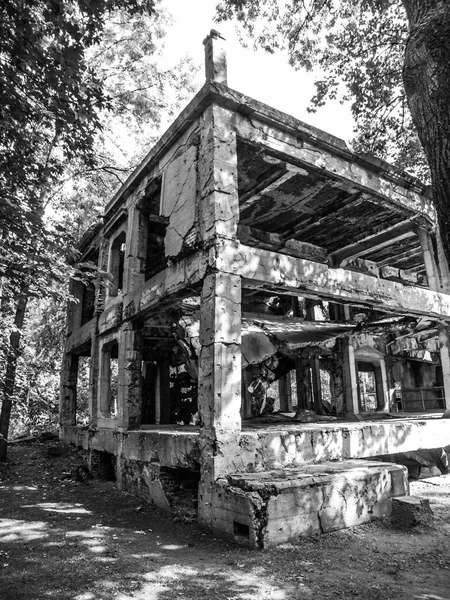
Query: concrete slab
x=265 y=509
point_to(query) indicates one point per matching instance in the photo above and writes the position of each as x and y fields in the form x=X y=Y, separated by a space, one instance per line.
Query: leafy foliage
x=358 y=47
x=49 y=102
x=97 y=108
x=36 y=406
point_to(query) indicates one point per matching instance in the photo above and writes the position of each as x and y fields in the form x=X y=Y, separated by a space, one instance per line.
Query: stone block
x=281 y=505
x=411 y=511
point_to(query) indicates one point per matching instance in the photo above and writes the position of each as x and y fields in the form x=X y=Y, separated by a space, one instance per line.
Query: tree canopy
x=49 y=101
x=390 y=58
x=82 y=95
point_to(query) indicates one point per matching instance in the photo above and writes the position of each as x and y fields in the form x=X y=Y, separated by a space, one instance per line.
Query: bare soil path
x=83 y=540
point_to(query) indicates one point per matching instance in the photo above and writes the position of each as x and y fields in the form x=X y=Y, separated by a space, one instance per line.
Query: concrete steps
x=268 y=508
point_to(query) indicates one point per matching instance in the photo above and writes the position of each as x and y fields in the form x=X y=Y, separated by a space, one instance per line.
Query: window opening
x=83 y=390
x=367 y=387
x=183 y=395
x=110 y=379
x=117 y=263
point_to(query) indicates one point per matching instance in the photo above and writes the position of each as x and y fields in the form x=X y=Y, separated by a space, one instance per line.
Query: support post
x=317 y=386
x=68 y=405
x=130 y=400
x=285 y=393
x=304 y=393
x=350 y=376
x=219 y=395
x=429 y=260
x=94 y=376
x=444 y=346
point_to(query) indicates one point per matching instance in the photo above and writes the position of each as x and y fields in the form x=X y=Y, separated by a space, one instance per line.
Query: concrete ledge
x=170 y=448
x=271 y=447
x=265 y=509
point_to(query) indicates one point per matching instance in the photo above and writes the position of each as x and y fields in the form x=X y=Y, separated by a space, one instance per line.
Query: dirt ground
x=65 y=538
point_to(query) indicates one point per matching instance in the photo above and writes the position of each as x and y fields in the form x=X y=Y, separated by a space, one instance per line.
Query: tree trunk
x=426 y=77
x=10 y=370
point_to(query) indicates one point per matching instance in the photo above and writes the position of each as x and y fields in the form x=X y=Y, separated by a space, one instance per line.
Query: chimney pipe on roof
x=215 y=57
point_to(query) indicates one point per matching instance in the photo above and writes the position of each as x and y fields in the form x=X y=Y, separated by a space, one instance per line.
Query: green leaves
x=50 y=102
x=358 y=46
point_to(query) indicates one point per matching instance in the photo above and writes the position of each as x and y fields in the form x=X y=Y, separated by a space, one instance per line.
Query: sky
x=262 y=76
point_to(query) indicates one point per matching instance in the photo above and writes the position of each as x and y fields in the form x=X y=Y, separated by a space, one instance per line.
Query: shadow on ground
x=73 y=540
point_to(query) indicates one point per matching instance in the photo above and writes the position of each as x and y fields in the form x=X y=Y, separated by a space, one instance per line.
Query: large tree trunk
x=10 y=371
x=426 y=77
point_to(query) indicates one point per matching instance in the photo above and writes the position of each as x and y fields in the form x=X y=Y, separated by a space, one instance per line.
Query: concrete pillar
x=304 y=392
x=215 y=57
x=382 y=381
x=429 y=259
x=218 y=198
x=68 y=401
x=94 y=377
x=134 y=273
x=444 y=346
x=130 y=389
x=285 y=393
x=350 y=376
x=438 y=280
x=316 y=383
x=219 y=392
x=443 y=266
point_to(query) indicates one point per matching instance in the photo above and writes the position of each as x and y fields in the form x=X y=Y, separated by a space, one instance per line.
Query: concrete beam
x=271 y=184
x=270 y=270
x=273 y=241
x=372 y=243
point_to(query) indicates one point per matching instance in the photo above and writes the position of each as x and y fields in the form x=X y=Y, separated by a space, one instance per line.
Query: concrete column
x=317 y=386
x=94 y=376
x=382 y=381
x=130 y=388
x=304 y=392
x=285 y=393
x=134 y=273
x=444 y=346
x=105 y=383
x=443 y=266
x=350 y=376
x=219 y=393
x=68 y=401
x=429 y=260
x=218 y=198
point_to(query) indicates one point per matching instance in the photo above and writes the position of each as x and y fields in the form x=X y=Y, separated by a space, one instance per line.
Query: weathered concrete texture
x=169 y=448
x=178 y=199
x=262 y=267
x=270 y=508
x=219 y=397
x=411 y=511
x=172 y=449
x=294 y=445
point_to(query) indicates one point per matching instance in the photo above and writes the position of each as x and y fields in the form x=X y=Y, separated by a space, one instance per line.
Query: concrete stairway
x=268 y=508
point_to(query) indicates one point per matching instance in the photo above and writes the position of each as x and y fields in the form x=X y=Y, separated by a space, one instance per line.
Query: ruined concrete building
x=271 y=323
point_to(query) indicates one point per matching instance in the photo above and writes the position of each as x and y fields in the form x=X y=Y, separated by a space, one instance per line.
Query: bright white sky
x=262 y=76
